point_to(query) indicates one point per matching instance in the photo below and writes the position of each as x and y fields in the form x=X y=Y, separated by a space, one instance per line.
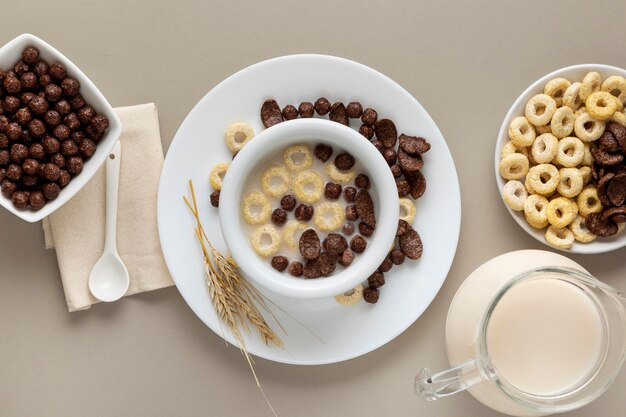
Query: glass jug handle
x=442 y=384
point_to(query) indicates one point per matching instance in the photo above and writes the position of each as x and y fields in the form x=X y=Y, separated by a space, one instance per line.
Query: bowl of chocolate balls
x=56 y=128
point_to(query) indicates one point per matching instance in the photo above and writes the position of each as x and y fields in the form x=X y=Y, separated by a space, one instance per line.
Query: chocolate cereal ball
x=37 y=128
x=354 y=109
x=68 y=147
x=74 y=165
x=366 y=131
x=58 y=160
x=50 y=191
x=57 y=71
x=306 y=110
x=21 y=67
x=11 y=104
x=44 y=80
x=37 y=152
x=12 y=85
x=27 y=97
x=30 y=166
x=288 y=202
x=36 y=200
x=38 y=105
x=4 y=141
x=40 y=68
x=19 y=153
x=290 y=112
x=51 y=145
x=29 y=80
x=8 y=188
x=87 y=148
x=30 y=55
x=63 y=106
x=214 y=198
x=86 y=114
x=14 y=172
x=99 y=123
x=52 y=118
x=4 y=121
x=61 y=132
x=5 y=158
x=13 y=131
x=53 y=92
x=70 y=87
x=20 y=199
x=369 y=116
x=322 y=106
x=3 y=174
x=296 y=269
x=29 y=181
x=64 y=178
x=77 y=137
x=23 y=116
x=71 y=121
x=77 y=102
x=50 y=172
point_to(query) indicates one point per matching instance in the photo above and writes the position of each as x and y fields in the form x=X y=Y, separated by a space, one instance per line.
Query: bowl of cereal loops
x=560 y=159
x=56 y=128
x=308 y=208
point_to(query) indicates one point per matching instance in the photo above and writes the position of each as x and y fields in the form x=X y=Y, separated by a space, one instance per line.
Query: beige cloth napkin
x=76 y=230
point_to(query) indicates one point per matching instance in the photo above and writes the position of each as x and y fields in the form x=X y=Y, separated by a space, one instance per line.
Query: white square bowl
x=9 y=55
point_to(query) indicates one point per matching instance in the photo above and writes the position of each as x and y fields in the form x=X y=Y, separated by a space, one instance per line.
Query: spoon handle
x=112 y=187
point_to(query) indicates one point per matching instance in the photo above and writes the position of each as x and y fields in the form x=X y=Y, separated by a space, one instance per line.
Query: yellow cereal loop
x=528 y=187
x=217 y=174
x=351 y=297
x=570 y=182
x=562 y=123
x=556 y=89
x=237 y=135
x=329 y=216
x=407 y=210
x=561 y=211
x=521 y=132
x=307 y=186
x=338 y=175
x=571 y=152
x=275 y=181
x=514 y=166
x=591 y=83
x=559 y=237
x=256 y=208
x=580 y=231
x=601 y=105
x=618 y=117
x=543 y=178
x=539 y=109
x=298 y=157
x=543 y=129
x=544 y=148
x=588 y=201
x=535 y=211
x=514 y=195
x=616 y=85
x=571 y=97
x=265 y=240
x=510 y=148
x=585 y=173
x=292 y=231
x=587 y=128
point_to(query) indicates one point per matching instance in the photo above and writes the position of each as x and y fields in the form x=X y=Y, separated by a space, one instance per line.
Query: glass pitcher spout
x=442 y=384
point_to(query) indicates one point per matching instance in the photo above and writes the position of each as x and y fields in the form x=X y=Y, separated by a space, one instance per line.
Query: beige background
x=149 y=355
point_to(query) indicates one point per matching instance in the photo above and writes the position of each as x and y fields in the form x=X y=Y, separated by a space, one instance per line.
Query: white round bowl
x=573 y=73
x=274 y=140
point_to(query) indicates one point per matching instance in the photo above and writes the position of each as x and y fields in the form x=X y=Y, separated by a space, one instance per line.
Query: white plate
x=345 y=332
x=573 y=73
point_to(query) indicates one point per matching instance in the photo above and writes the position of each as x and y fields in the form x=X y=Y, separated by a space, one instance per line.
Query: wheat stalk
x=233 y=298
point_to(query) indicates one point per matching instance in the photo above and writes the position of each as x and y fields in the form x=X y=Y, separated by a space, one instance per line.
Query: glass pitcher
x=582 y=353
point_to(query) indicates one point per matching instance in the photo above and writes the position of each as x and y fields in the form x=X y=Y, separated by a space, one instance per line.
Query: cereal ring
x=275 y=181
x=585 y=173
x=616 y=85
x=544 y=148
x=514 y=166
x=559 y=237
x=510 y=148
x=556 y=89
x=587 y=157
x=528 y=187
x=289 y=233
x=601 y=105
x=329 y=216
x=307 y=186
x=339 y=175
x=539 y=109
x=588 y=201
x=619 y=117
x=543 y=178
x=265 y=240
x=407 y=210
x=591 y=83
x=571 y=96
x=514 y=194
x=521 y=132
x=217 y=174
x=543 y=129
x=256 y=208
x=570 y=182
x=298 y=157
x=535 y=211
x=561 y=211
x=571 y=152
x=562 y=123
x=580 y=231
x=620 y=105
x=587 y=128
x=237 y=135
x=351 y=297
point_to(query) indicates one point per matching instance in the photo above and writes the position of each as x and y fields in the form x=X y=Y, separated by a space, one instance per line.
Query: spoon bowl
x=109 y=278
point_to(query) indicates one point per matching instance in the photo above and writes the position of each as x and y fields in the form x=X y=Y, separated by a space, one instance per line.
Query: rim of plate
x=582 y=248
x=456 y=195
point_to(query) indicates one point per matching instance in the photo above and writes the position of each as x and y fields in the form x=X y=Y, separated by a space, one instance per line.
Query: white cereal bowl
x=274 y=140
x=9 y=55
x=572 y=73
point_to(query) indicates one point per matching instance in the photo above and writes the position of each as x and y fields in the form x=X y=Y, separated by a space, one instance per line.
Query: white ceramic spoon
x=109 y=279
